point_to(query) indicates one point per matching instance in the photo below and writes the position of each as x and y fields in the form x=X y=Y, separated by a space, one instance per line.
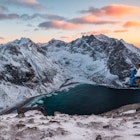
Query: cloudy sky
x=42 y=20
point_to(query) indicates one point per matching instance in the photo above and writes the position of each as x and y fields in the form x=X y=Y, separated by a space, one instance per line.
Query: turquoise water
x=87 y=99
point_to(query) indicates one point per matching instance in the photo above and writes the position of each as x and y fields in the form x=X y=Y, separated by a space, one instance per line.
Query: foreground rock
x=34 y=125
x=124 y=111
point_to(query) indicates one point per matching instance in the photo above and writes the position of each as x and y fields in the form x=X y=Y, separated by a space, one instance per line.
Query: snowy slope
x=25 y=71
x=96 y=59
x=35 y=126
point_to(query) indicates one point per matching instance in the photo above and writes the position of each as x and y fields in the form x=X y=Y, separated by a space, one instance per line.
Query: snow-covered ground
x=35 y=126
x=81 y=67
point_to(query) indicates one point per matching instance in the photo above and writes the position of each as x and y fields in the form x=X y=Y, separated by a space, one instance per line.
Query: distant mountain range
x=28 y=69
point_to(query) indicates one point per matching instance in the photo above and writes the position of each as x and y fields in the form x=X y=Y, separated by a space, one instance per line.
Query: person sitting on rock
x=133 y=78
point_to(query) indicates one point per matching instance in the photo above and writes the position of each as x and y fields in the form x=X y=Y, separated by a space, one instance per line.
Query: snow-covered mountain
x=28 y=69
x=25 y=71
x=97 y=59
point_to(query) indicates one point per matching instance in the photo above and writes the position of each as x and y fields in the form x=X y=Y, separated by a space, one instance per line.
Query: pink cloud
x=120 y=10
x=91 y=19
x=131 y=24
x=28 y=1
x=114 y=11
x=59 y=25
x=32 y=4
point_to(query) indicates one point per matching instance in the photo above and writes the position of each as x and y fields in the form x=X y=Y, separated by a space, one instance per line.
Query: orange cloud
x=120 y=31
x=132 y=24
x=89 y=19
x=114 y=11
x=59 y=25
x=120 y=10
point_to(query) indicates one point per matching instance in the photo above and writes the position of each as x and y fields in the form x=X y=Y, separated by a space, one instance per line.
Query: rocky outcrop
x=124 y=111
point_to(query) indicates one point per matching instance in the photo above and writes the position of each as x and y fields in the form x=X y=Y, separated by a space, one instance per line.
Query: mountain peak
x=101 y=36
x=88 y=37
x=104 y=38
x=21 y=41
x=25 y=39
x=55 y=40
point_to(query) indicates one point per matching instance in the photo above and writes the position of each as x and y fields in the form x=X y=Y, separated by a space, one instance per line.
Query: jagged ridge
x=98 y=59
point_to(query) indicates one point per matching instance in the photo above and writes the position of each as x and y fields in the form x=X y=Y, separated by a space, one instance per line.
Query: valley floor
x=35 y=126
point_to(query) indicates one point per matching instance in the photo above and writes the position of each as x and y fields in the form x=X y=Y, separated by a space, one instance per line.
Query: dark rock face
x=17 y=76
x=19 y=64
x=121 y=61
x=14 y=50
x=117 y=63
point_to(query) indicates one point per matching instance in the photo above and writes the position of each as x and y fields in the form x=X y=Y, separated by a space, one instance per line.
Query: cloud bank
x=8 y=16
x=58 y=25
x=91 y=19
x=32 y=4
x=113 y=11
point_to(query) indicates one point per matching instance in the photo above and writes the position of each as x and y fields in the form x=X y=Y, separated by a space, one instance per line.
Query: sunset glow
x=42 y=20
